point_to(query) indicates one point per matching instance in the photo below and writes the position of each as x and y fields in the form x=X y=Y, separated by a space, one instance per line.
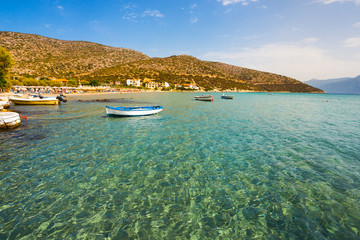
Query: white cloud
x=128 y=6
x=302 y=62
x=352 y=42
x=48 y=25
x=194 y=20
x=130 y=16
x=339 y=1
x=192 y=6
x=134 y=16
x=357 y=25
x=243 y=2
x=152 y=13
x=60 y=7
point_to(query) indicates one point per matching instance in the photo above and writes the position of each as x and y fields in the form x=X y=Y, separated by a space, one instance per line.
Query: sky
x=303 y=39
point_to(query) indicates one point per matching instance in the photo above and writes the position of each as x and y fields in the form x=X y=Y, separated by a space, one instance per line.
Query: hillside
x=338 y=85
x=41 y=56
x=187 y=69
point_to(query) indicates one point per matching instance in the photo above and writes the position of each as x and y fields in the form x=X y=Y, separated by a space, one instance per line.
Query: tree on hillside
x=72 y=83
x=6 y=63
x=94 y=83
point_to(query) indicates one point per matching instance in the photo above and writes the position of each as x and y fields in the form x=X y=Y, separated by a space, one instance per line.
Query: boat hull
x=32 y=101
x=9 y=120
x=132 y=111
x=4 y=103
x=204 y=99
x=227 y=97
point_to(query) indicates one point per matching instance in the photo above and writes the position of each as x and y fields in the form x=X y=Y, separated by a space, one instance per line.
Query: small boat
x=37 y=100
x=34 y=101
x=227 y=96
x=133 y=111
x=9 y=120
x=203 y=96
x=207 y=98
x=4 y=102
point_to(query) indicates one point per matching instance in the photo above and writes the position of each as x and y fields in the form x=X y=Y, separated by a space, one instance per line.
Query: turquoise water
x=281 y=166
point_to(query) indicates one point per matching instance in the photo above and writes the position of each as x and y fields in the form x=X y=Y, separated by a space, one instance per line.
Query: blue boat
x=133 y=111
x=227 y=96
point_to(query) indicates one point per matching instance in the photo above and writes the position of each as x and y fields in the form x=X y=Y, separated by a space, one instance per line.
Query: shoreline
x=77 y=94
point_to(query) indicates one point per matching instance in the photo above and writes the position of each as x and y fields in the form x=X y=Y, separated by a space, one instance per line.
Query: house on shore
x=191 y=86
x=133 y=82
x=165 y=84
x=152 y=84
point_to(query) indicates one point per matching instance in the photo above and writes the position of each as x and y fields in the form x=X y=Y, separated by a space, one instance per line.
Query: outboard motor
x=61 y=98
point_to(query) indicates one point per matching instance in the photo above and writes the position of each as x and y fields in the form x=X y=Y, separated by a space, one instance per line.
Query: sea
x=260 y=166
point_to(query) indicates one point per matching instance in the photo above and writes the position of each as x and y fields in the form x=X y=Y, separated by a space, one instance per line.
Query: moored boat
x=207 y=98
x=203 y=96
x=4 y=102
x=9 y=120
x=227 y=96
x=37 y=100
x=133 y=111
x=34 y=101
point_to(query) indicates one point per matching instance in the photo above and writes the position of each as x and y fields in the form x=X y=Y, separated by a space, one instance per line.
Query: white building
x=191 y=86
x=133 y=82
x=152 y=85
x=165 y=84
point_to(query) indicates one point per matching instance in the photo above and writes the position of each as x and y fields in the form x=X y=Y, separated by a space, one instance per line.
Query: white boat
x=4 y=102
x=227 y=96
x=37 y=100
x=9 y=120
x=203 y=96
x=133 y=111
x=34 y=100
x=207 y=98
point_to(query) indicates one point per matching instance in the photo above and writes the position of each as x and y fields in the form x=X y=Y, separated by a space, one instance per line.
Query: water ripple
x=262 y=166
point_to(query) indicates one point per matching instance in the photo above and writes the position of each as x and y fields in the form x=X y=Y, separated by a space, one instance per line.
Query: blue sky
x=303 y=39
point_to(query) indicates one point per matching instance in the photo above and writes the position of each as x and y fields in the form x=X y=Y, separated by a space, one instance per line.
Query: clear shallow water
x=260 y=166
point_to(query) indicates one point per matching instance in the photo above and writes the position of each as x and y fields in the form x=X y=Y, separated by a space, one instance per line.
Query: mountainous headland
x=338 y=85
x=39 y=56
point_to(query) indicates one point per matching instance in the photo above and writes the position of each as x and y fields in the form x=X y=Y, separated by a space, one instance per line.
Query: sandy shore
x=74 y=95
x=100 y=94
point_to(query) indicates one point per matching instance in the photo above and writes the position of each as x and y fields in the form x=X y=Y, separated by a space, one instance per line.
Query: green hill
x=36 y=55
x=187 y=69
x=41 y=56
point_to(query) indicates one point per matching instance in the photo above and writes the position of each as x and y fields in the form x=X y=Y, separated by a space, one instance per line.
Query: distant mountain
x=36 y=55
x=338 y=85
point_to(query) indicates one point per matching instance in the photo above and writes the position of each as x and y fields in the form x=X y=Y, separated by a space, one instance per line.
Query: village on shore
x=64 y=86
x=81 y=86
